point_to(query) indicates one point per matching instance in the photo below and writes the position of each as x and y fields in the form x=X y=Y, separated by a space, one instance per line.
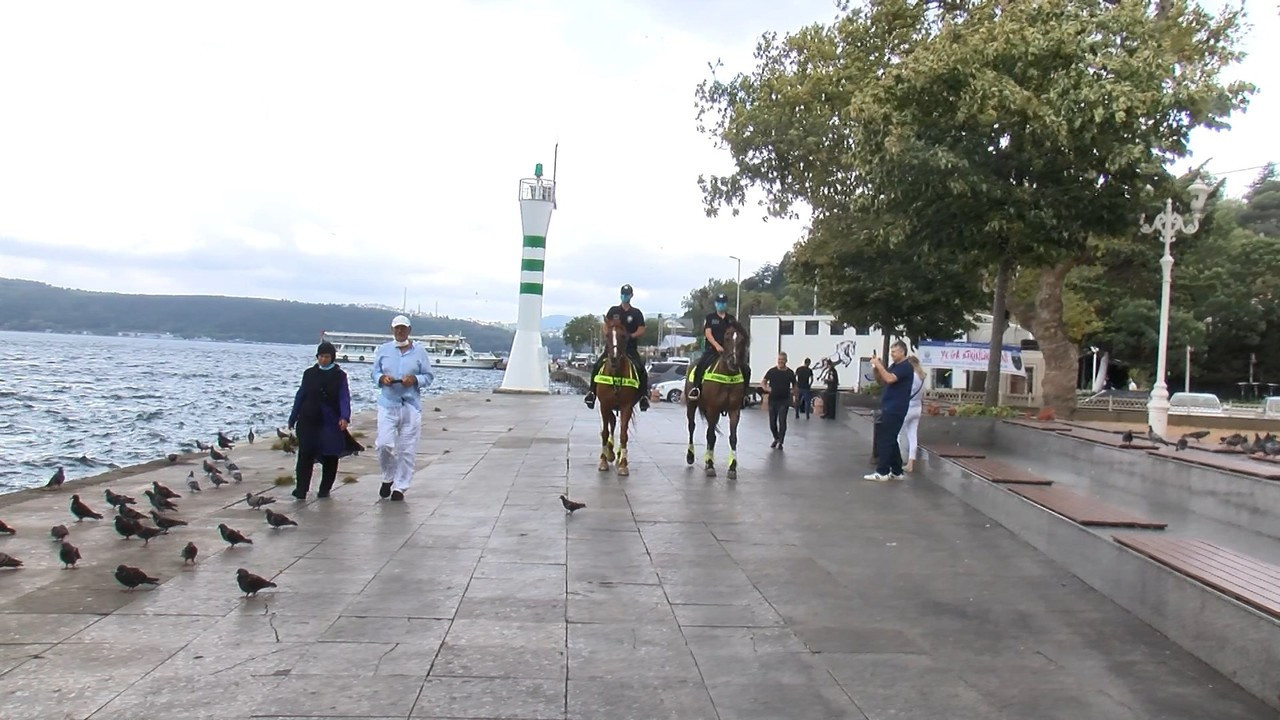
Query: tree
x=1006 y=132
x=579 y=332
x=1261 y=213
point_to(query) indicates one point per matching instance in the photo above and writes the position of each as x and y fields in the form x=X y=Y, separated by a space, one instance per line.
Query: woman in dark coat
x=321 y=411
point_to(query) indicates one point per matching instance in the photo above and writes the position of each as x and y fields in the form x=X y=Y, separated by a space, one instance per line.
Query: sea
x=92 y=403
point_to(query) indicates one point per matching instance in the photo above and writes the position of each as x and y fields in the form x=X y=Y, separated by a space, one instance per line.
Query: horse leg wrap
x=707 y=456
x=733 y=457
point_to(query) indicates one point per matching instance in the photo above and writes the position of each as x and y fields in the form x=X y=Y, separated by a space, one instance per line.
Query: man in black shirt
x=713 y=329
x=633 y=320
x=778 y=383
x=804 y=380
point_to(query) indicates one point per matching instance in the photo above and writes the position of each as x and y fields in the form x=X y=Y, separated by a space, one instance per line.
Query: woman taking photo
x=321 y=411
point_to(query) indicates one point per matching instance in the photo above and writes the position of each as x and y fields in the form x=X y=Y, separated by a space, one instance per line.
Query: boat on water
x=446 y=351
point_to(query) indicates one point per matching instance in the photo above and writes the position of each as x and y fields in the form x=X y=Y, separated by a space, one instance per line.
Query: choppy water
x=95 y=403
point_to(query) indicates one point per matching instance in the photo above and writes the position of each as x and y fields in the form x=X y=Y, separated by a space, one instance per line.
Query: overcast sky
x=341 y=152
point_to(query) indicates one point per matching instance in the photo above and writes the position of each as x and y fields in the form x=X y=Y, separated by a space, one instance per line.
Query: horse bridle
x=730 y=355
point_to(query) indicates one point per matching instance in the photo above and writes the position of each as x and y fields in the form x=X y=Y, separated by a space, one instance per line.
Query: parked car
x=664 y=370
x=671 y=390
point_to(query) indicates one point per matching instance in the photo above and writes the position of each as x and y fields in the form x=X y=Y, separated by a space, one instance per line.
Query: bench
x=1248 y=580
x=1082 y=509
x=1195 y=404
x=954 y=451
x=998 y=471
x=1110 y=439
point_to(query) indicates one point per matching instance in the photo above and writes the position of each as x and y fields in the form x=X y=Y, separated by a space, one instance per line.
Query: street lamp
x=737 y=302
x=1169 y=224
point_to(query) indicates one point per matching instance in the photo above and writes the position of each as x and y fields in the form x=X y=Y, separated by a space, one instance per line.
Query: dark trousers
x=805 y=403
x=888 y=454
x=779 y=408
x=306 y=461
x=829 y=404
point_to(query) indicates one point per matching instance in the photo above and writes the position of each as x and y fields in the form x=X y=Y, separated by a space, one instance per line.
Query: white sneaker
x=895 y=477
x=876 y=477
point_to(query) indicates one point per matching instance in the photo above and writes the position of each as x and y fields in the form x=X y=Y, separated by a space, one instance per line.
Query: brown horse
x=722 y=392
x=617 y=390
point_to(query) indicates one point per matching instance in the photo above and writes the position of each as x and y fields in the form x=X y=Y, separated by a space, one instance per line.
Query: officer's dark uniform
x=632 y=319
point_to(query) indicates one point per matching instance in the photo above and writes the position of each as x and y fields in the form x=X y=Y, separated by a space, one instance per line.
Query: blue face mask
x=721 y=306
x=626 y=298
x=325 y=367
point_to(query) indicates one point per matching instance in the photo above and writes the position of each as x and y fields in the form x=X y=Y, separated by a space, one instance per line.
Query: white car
x=671 y=390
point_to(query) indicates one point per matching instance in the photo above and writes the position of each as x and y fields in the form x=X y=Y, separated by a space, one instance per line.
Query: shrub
x=999 y=411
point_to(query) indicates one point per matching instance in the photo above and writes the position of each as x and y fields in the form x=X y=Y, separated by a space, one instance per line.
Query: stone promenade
x=795 y=592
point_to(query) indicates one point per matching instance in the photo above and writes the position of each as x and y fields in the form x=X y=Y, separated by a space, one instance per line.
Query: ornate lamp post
x=1169 y=224
x=738 y=301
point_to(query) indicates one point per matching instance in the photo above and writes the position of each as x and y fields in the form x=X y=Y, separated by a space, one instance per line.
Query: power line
x=1229 y=172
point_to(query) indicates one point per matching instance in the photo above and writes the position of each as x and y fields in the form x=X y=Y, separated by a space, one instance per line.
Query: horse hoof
x=688 y=458
x=711 y=472
x=732 y=474
x=604 y=466
x=623 y=472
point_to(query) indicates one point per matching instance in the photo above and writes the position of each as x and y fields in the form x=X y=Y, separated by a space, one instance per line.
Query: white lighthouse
x=527 y=368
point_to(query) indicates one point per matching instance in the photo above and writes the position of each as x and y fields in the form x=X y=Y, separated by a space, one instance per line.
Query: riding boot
x=644 y=386
x=590 y=399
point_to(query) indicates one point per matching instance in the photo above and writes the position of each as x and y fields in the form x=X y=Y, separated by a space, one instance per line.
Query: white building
x=822 y=336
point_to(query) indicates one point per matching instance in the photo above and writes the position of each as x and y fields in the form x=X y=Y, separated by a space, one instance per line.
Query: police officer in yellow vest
x=713 y=329
x=633 y=320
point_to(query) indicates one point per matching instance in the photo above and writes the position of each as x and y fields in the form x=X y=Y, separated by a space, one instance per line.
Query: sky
x=361 y=152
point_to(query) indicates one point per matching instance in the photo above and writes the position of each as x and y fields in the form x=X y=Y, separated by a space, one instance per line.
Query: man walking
x=778 y=384
x=401 y=370
x=894 y=400
x=804 y=380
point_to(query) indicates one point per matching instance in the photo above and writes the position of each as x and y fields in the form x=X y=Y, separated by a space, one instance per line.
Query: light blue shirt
x=389 y=360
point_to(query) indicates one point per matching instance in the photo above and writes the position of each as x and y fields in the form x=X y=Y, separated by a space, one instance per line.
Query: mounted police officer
x=633 y=320
x=713 y=330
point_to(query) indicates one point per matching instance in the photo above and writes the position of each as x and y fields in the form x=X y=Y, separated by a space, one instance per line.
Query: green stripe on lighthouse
x=535 y=241
x=527 y=288
x=532 y=265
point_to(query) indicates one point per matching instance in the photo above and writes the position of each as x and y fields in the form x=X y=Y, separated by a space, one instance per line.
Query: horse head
x=734 y=357
x=615 y=345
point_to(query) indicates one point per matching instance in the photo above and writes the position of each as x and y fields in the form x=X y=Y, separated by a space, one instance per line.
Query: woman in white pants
x=915 y=407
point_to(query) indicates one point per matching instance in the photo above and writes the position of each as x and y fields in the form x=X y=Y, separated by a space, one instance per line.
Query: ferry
x=446 y=351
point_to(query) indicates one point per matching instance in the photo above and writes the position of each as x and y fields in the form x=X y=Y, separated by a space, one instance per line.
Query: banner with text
x=969 y=356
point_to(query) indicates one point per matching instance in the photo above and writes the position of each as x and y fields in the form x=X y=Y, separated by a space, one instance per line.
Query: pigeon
x=1182 y=444
x=1127 y=438
x=251 y=436
x=166 y=523
x=7 y=560
x=6 y=529
x=116 y=500
x=217 y=480
x=163 y=491
x=82 y=511
x=69 y=555
x=257 y=501
x=132 y=577
x=173 y=457
x=281 y=434
x=56 y=481
x=570 y=505
x=215 y=455
x=189 y=553
x=1233 y=440
x=126 y=527
x=192 y=484
x=58 y=532
x=232 y=536
x=146 y=532
x=210 y=468
x=236 y=475
x=1197 y=435
x=232 y=466
x=129 y=513
x=202 y=446
x=250 y=584
x=1155 y=438
x=224 y=442
x=277 y=520
x=158 y=502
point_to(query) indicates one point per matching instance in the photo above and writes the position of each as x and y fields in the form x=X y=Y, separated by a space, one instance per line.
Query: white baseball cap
x=399 y=320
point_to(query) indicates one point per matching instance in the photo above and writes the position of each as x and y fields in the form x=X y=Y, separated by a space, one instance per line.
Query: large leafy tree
x=579 y=332
x=1009 y=132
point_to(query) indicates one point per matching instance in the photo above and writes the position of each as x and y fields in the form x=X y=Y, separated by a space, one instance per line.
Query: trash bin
x=875 y=434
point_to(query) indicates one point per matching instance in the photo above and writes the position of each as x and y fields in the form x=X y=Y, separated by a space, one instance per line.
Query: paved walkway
x=794 y=592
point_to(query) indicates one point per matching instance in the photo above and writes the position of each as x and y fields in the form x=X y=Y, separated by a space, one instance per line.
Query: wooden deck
x=954 y=451
x=1040 y=425
x=1110 y=439
x=1251 y=581
x=998 y=471
x=1082 y=509
x=1230 y=462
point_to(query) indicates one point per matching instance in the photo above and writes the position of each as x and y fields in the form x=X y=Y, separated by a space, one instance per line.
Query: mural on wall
x=843 y=354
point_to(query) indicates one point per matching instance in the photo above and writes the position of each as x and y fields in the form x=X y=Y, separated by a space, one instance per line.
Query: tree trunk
x=998 y=326
x=885 y=351
x=1045 y=319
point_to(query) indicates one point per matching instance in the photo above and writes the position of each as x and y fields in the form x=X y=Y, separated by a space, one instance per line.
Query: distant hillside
x=37 y=307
